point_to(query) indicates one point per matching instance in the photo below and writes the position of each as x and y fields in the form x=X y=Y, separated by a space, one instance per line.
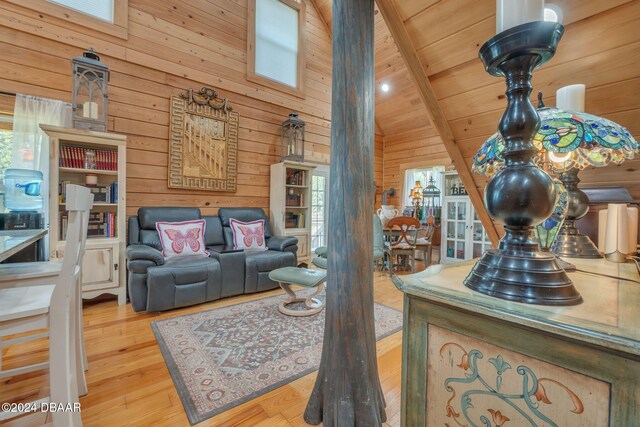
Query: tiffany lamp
x=574 y=141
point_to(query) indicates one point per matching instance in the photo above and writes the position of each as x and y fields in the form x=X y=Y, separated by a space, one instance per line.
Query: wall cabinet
x=463 y=236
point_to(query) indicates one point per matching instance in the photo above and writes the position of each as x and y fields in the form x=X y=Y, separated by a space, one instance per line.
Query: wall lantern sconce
x=89 y=94
x=293 y=139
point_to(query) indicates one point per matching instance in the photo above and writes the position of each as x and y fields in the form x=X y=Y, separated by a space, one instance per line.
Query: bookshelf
x=290 y=203
x=74 y=154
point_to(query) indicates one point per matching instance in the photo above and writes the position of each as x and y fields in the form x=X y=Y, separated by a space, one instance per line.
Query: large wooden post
x=347 y=391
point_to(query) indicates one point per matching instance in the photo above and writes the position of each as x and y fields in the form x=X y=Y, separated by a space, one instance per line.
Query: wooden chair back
x=426 y=232
x=408 y=228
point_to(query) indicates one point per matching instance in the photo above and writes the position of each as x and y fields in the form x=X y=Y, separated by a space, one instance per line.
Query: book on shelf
x=294 y=220
x=101 y=224
x=101 y=193
x=294 y=200
x=88 y=158
x=296 y=177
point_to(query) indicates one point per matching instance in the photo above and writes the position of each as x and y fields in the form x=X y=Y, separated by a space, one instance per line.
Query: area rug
x=223 y=357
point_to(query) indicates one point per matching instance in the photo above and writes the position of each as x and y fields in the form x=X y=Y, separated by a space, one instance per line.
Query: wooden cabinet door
x=100 y=267
x=303 y=246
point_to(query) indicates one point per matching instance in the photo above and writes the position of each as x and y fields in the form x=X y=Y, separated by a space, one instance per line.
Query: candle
x=571 y=98
x=90 y=110
x=510 y=13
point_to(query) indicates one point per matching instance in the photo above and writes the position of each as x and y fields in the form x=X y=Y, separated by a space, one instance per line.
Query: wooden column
x=347 y=390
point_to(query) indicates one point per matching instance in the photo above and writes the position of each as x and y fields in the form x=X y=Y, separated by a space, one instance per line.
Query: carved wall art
x=203 y=143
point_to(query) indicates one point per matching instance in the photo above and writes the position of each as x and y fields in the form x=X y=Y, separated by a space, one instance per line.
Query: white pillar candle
x=90 y=110
x=510 y=13
x=571 y=98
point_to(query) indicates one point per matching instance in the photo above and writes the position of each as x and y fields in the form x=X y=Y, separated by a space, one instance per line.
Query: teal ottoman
x=302 y=277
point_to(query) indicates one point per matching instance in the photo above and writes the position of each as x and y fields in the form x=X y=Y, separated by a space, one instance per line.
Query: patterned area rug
x=223 y=357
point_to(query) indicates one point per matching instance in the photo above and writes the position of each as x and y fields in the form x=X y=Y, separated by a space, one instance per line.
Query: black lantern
x=293 y=138
x=431 y=194
x=89 y=96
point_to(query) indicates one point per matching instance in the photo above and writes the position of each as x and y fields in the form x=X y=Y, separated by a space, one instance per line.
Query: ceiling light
x=552 y=13
x=385 y=87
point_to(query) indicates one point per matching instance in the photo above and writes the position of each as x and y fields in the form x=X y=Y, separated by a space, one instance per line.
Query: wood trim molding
x=119 y=27
x=297 y=91
x=440 y=123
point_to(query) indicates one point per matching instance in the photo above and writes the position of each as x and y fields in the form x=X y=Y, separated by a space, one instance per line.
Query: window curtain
x=422 y=175
x=30 y=145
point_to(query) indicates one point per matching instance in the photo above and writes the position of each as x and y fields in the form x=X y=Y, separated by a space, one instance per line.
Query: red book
x=74 y=162
x=79 y=162
x=99 y=162
x=114 y=155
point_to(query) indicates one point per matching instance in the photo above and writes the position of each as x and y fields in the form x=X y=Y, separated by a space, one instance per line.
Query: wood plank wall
x=408 y=150
x=172 y=46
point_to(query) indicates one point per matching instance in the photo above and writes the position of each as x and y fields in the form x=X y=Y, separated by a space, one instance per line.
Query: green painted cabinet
x=472 y=360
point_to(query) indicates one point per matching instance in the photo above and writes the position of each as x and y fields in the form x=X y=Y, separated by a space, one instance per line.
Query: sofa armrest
x=281 y=243
x=141 y=257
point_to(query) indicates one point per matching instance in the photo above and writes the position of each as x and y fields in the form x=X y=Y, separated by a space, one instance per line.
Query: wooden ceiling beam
x=436 y=115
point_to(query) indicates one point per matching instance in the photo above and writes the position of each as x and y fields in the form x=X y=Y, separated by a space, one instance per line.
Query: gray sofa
x=156 y=284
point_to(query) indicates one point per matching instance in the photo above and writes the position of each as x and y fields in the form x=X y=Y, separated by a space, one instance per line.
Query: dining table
x=13 y=241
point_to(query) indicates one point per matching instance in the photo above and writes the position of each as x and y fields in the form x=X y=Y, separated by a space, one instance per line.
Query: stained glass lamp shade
x=586 y=139
x=574 y=141
x=547 y=231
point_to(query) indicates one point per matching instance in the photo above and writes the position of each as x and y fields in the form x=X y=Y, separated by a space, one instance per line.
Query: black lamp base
x=575 y=246
x=534 y=278
x=520 y=195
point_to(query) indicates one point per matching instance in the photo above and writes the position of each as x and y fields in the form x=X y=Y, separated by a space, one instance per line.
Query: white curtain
x=30 y=145
x=422 y=175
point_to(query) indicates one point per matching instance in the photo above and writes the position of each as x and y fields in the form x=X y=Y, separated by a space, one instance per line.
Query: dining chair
x=423 y=242
x=320 y=260
x=51 y=302
x=405 y=244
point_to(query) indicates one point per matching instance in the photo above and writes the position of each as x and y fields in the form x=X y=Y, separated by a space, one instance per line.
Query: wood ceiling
x=400 y=109
x=600 y=48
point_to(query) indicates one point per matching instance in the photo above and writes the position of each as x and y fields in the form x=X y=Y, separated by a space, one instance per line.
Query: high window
x=106 y=16
x=101 y=9
x=274 y=47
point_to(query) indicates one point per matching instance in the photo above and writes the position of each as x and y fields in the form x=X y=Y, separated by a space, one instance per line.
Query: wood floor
x=129 y=384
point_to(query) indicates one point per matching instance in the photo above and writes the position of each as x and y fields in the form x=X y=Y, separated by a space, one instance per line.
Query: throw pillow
x=181 y=239
x=248 y=235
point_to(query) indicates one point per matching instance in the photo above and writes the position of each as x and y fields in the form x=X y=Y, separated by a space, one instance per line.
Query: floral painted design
x=526 y=403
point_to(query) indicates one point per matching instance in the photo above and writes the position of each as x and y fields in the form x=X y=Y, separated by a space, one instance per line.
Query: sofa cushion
x=213 y=231
x=147 y=217
x=182 y=281
x=268 y=260
x=248 y=235
x=244 y=215
x=184 y=238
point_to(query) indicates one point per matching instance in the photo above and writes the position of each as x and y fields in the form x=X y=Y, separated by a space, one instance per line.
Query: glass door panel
x=461 y=227
x=460 y=251
x=461 y=211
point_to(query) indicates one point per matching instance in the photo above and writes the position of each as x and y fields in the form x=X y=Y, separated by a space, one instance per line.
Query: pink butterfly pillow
x=180 y=239
x=248 y=235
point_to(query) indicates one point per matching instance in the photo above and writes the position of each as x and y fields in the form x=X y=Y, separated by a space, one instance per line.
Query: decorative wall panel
x=204 y=142
x=472 y=383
